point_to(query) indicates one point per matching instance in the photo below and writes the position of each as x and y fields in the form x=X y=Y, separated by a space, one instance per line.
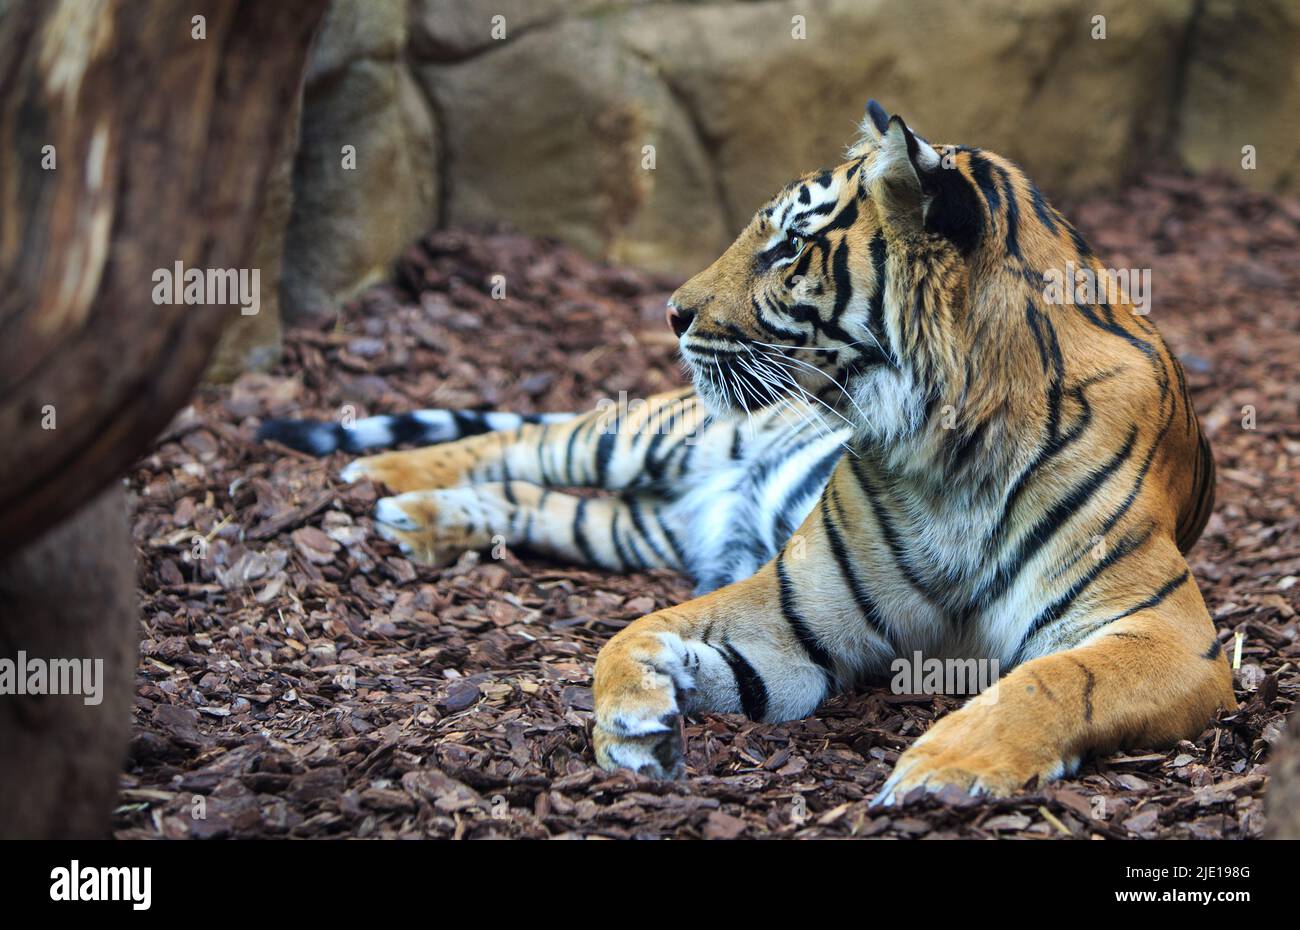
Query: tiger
x=896 y=442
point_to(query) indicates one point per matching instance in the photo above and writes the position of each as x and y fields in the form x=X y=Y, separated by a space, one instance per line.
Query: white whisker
x=782 y=359
x=808 y=416
x=819 y=419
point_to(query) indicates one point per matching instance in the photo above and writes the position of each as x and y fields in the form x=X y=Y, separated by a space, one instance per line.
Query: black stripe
x=625 y=562
x=605 y=452
x=866 y=605
x=1168 y=588
x=1058 y=608
x=820 y=210
x=541 y=453
x=780 y=332
x=654 y=468
x=1013 y=213
x=876 y=307
x=887 y=529
x=404 y=428
x=580 y=535
x=843 y=280
x=657 y=468
x=1050 y=523
x=1182 y=391
x=802 y=631
x=308 y=436
x=1054 y=443
x=1041 y=208
x=749 y=684
x=813 y=480
x=670 y=536
x=638 y=521
x=1080 y=244
x=1118 y=513
x=962 y=446
x=982 y=171
x=1050 y=356
x=1110 y=326
x=637 y=554
x=568 y=456
x=1203 y=490
x=1089 y=683
x=469 y=423
x=843 y=220
x=1156 y=445
x=342 y=438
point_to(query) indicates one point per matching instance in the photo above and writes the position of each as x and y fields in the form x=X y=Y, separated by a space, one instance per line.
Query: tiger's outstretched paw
x=971 y=751
x=658 y=755
x=435 y=527
x=638 y=715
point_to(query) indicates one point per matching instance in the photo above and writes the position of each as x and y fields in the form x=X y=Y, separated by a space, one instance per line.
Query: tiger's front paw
x=974 y=752
x=658 y=755
x=638 y=714
x=435 y=527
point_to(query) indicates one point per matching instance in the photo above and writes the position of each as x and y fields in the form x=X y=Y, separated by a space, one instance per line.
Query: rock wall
x=366 y=170
x=1243 y=88
x=647 y=132
x=546 y=130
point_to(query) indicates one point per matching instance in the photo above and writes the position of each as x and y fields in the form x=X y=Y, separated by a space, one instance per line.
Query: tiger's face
x=803 y=306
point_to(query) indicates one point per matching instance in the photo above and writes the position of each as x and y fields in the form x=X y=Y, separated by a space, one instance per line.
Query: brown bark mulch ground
x=299 y=677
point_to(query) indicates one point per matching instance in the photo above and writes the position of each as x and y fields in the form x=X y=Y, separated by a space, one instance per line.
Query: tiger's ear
x=904 y=163
x=872 y=128
x=877 y=119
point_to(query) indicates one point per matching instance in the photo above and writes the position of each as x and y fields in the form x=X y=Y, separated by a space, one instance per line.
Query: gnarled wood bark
x=69 y=595
x=133 y=135
x=162 y=144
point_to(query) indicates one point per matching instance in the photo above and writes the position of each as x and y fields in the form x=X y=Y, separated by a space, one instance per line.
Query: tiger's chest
x=922 y=568
x=735 y=517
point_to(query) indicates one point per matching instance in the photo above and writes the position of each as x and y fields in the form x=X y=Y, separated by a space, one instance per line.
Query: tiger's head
x=852 y=288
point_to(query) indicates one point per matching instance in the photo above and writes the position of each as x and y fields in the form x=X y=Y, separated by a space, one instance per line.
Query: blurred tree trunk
x=133 y=135
x=1283 y=806
x=70 y=594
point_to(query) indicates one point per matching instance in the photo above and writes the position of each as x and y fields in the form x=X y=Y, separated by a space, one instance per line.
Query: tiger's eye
x=796 y=243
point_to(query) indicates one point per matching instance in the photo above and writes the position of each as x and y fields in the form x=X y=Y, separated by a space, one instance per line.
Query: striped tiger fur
x=712 y=497
x=1020 y=482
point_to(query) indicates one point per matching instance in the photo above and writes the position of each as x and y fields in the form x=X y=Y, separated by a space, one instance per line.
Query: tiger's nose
x=679 y=319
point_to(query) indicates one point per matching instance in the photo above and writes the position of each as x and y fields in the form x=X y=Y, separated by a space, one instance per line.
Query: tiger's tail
x=419 y=427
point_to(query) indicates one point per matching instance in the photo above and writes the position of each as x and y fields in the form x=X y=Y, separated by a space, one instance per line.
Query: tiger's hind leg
x=1151 y=676
x=607 y=448
x=621 y=533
